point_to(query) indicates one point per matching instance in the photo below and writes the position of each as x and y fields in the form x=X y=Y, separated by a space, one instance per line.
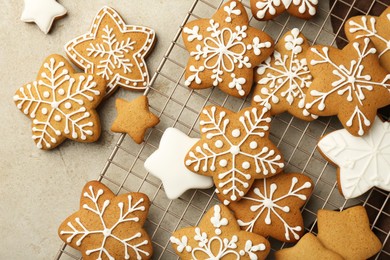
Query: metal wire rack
x=179 y=107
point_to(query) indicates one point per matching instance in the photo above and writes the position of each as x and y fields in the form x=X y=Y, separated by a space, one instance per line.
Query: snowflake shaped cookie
x=375 y=28
x=267 y=9
x=283 y=79
x=348 y=83
x=234 y=150
x=108 y=226
x=224 y=50
x=363 y=162
x=218 y=236
x=272 y=206
x=61 y=104
x=114 y=51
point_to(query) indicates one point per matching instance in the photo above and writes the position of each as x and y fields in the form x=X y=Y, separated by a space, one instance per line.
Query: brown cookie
x=108 y=226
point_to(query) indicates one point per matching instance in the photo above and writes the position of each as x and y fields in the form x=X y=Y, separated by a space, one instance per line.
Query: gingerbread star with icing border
x=114 y=51
x=134 y=118
x=218 y=236
x=224 y=50
x=284 y=78
x=349 y=83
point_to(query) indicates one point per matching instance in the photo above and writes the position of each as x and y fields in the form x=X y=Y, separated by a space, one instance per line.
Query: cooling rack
x=178 y=106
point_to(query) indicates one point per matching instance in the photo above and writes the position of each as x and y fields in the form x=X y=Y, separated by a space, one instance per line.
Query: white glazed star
x=167 y=164
x=364 y=162
x=42 y=12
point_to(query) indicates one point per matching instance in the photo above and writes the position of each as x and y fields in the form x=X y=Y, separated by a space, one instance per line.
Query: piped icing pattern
x=234 y=149
x=114 y=51
x=224 y=50
x=61 y=104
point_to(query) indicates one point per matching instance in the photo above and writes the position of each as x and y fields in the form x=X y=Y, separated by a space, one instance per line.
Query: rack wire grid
x=179 y=107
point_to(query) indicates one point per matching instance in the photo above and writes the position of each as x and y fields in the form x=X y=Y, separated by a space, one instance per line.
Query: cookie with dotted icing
x=284 y=78
x=108 y=226
x=268 y=9
x=375 y=28
x=349 y=83
x=114 y=51
x=224 y=50
x=272 y=206
x=234 y=149
x=61 y=104
x=218 y=236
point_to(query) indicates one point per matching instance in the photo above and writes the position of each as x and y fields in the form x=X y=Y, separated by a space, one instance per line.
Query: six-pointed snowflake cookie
x=167 y=164
x=284 y=78
x=268 y=9
x=234 y=150
x=348 y=83
x=224 y=50
x=42 y=12
x=108 y=226
x=272 y=206
x=218 y=236
x=114 y=51
x=61 y=104
x=375 y=28
x=363 y=162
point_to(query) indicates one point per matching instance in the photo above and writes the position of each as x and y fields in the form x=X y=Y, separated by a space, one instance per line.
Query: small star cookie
x=61 y=104
x=218 y=236
x=114 y=51
x=224 y=50
x=134 y=118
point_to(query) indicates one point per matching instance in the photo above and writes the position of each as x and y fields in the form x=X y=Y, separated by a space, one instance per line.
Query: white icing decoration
x=166 y=163
x=253 y=145
x=81 y=231
x=269 y=6
x=262 y=160
x=285 y=70
x=118 y=59
x=230 y=9
x=364 y=162
x=350 y=80
x=42 y=12
x=218 y=144
x=236 y=133
x=193 y=33
x=217 y=220
x=79 y=89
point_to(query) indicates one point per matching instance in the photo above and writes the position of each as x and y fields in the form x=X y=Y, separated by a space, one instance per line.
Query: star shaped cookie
x=114 y=51
x=167 y=164
x=363 y=162
x=349 y=83
x=134 y=118
x=42 y=12
x=218 y=236
x=375 y=28
x=224 y=50
x=348 y=233
x=284 y=78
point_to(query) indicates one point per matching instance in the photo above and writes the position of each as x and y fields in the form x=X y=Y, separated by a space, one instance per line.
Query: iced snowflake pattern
x=265 y=7
x=77 y=229
x=60 y=103
x=222 y=145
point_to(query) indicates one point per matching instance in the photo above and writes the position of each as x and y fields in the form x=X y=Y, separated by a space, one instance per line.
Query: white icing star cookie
x=42 y=12
x=167 y=164
x=364 y=162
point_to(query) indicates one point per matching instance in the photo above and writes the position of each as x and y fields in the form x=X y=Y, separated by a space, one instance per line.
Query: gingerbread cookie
x=284 y=78
x=61 y=104
x=108 y=226
x=363 y=162
x=348 y=83
x=235 y=150
x=134 y=118
x=308 y=248
x=114 y=51
x=268 y=9
x=224 y=50
x=375 y=28
x=218 y=237
x=272 y=206
x=348 y=233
